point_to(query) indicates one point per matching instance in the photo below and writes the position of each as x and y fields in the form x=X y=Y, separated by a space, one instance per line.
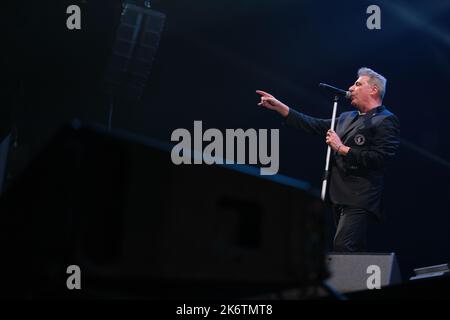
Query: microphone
x=336 y=91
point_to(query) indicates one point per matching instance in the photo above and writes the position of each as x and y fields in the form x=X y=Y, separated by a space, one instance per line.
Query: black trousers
x=351 y=228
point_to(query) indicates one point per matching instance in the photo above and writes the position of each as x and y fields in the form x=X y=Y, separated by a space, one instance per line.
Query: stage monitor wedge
x=353 y=271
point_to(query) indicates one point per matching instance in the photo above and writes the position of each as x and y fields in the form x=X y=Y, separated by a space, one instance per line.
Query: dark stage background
x=212 y=57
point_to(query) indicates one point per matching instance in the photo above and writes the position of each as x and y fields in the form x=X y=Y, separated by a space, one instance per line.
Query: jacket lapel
x=350 y=128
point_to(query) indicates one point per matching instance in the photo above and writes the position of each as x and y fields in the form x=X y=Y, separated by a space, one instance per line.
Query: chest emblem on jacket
x=360 y=139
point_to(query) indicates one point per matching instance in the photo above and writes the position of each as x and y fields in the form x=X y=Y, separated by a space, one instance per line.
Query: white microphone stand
x=327 y=163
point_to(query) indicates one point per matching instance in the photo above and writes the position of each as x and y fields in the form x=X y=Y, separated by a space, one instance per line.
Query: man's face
x=362 y=91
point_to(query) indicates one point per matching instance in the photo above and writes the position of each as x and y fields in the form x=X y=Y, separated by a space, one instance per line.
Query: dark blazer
x=356 y=179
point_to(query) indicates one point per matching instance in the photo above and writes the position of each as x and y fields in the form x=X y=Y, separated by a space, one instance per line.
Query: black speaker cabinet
x=357 y=271
x=138 y=225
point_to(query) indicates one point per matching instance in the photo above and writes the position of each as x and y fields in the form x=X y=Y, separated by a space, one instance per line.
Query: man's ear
x=375 y=90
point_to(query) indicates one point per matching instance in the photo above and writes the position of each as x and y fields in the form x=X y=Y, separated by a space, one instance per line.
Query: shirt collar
x=372 y=111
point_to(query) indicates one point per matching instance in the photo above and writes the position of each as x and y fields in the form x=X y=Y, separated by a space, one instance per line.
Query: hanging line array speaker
x=133 y=52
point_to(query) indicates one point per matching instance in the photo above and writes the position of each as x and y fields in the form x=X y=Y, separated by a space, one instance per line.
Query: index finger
x=263 y=93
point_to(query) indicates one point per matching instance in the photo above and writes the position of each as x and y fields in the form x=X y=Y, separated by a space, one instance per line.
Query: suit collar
x=373 y=111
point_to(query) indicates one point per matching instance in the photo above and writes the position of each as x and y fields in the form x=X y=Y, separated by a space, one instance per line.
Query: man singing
x=363 y=142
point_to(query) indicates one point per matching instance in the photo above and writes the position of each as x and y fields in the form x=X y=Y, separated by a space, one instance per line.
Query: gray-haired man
x=363 y=142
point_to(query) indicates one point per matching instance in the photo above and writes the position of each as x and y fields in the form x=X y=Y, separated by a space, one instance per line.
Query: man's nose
x=350 y=89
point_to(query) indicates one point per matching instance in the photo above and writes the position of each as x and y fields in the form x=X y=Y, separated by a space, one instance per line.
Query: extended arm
x=294 y=118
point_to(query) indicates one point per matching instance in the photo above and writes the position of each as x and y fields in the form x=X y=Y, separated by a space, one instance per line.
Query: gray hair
x=375 y=79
